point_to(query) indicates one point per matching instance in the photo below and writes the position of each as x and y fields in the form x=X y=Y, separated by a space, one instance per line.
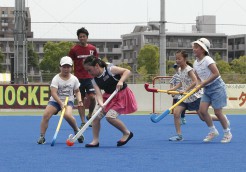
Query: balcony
x=4 y=15
x=241 y=47
x=117 y=50
x=128 y=47
x=172 y=58
x=173 y=45
x=117 y=62
x=229 y=47
x=128 y=61
x=5 y=24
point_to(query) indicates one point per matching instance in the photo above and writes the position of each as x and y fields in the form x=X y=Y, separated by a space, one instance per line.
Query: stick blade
x=53 y=143
x=156 y=118
x=53 y=140
x=153 y=117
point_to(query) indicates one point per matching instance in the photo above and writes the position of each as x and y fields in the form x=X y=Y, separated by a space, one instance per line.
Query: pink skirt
x=123 y=102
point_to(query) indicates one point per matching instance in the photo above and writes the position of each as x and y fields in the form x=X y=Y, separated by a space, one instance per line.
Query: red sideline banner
x=25 y=96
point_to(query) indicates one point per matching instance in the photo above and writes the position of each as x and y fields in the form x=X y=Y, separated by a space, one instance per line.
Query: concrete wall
x=236 y=97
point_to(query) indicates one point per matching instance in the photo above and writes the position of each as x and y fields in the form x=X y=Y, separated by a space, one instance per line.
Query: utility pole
x=162 y=40
x=20 y=43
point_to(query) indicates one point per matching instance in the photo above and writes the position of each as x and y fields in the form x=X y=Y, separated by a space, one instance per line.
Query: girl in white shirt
x=63 y=85
x=214 y=90
x=188 y=82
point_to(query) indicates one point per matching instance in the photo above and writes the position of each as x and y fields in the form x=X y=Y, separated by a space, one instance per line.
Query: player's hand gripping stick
x=146 y=86
x=156 y=118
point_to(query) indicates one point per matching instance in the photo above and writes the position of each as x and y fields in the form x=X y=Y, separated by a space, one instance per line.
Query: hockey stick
x=59 y=123
x=156 y=118
x=146 y=86
x=71 y=139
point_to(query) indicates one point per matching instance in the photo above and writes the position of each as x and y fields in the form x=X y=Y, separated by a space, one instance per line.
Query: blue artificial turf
x=149 y=150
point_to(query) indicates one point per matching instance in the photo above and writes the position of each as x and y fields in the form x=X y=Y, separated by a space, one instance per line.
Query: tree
x=1 y=61
x=105 y=59
x=144 y=75
x=170 y=70
x=52 y=55
x=125 y=65
x=239 y=65
x=32 y=57
x=149 y=58
x=222 y=66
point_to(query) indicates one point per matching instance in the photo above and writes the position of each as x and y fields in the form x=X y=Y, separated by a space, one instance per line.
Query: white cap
x=203 y=42
x=66 y=60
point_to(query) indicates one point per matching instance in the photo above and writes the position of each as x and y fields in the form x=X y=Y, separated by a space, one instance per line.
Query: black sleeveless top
x=107 y=81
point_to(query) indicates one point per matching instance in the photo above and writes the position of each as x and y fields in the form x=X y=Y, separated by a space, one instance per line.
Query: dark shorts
x=58 y=107
x=191 y=106
x=86 y=86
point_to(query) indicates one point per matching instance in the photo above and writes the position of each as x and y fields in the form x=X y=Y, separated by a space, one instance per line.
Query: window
x=124 y=43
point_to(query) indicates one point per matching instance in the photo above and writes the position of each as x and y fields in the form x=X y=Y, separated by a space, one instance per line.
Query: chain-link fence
x=141 y=79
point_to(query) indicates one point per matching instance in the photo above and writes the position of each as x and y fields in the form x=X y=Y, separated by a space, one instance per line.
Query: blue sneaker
x=182 y=121
x=178 y=137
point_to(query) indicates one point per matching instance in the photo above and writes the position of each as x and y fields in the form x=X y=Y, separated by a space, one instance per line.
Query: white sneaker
x=227 y=137
x=211 y=136
x=178 y=137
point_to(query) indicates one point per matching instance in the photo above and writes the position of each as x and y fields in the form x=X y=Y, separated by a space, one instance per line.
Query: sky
x=109 y=19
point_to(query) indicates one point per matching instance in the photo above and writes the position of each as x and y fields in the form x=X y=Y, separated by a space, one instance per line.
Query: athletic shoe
x=88 y=118
x=81 y=139
x=211 y=136
x=227 y=137
x=176 y=138
x=41 y=140
x=182 y=121
x=82 y=124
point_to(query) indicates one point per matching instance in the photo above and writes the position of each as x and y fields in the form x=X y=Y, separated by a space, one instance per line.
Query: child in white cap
x=214 y=90
x=63 y=85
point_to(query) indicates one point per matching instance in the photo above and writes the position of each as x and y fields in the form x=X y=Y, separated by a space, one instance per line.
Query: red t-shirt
x=78 y=54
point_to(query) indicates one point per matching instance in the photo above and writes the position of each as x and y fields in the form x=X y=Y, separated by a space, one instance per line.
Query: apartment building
x=126 y=50
x=132 y=44
x=236 y=46
x=7 y=18
x=109 y=48
x=142 y=35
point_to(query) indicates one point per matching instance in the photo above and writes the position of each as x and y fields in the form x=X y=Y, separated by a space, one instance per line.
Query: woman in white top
x=214 y=89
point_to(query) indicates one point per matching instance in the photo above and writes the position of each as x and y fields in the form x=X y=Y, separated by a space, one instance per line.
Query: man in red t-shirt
x=78 y=53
